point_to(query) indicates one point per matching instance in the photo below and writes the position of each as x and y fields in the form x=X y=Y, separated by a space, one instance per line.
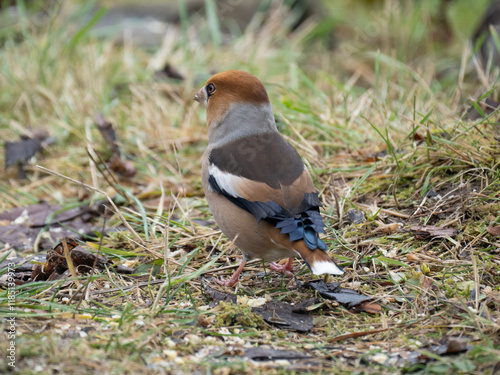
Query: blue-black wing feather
x=305 y=225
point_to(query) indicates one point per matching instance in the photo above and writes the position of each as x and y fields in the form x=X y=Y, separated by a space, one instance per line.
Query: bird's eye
x=210 y=89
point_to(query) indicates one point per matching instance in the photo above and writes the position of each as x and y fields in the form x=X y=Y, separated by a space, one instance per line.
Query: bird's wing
x=264 y=175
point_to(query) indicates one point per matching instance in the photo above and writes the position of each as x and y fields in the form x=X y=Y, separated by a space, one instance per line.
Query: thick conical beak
x=201 y=96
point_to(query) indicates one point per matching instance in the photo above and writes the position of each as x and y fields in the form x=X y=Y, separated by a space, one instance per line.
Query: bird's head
x=236 y=101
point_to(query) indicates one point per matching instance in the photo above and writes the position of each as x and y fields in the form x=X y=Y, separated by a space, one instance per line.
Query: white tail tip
x=321 y=267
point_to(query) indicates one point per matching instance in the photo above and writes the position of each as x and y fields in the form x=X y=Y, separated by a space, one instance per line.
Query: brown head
x=229 y=88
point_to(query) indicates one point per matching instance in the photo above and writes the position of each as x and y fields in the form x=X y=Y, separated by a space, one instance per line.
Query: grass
x=380 y=122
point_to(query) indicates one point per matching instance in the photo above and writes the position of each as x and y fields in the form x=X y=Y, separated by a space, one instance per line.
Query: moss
x=229 y=314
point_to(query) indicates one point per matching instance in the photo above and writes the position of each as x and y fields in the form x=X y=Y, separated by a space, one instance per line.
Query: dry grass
x=352 y=112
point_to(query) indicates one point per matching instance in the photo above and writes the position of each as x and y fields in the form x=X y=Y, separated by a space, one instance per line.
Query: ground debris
x=282 y=315
x=116 y=163
x=266 y=353
x=277 y=313
x=447 y=345
x=431 y=231
x=20 y=227
x=169 y=71
x=347 y=297
x=54 y=264
x=355 y=216
x=494 y=231
x=23 y=150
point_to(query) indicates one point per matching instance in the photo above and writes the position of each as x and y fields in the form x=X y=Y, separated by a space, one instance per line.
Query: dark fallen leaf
x=21 y=151
x=124 y=167
x=430 y=231
x=431 y=193
x=417 y=137
x=267 y=353
x=169 y=71
x=24 y=149
x=304 y=307
x=19 y=278
x=495 y=231
x=116 y=163
x=24 y=264
x=447 y=345
x=107 y=132
x=216 y=295
x=19 y=227
x=355 y=216
x=346 y=297
x=281 y=315
x=487 y=107
x=37 y=215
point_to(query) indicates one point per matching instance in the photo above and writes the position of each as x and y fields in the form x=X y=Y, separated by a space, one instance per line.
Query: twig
x=91 y=273
x=385 y=211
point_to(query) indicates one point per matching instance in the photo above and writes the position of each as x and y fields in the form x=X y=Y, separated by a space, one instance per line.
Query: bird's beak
x=201 y=96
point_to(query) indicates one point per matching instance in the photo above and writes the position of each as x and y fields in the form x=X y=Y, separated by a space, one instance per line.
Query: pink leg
x=285 y=269
x=236 y=275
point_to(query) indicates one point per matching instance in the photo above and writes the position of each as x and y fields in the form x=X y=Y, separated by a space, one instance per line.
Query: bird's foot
x=236 y=276
x=228 y=282
x=285 y=268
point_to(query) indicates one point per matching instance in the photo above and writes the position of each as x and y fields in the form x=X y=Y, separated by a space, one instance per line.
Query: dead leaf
x=56 y=265
x=355 y=216
x=21 y=151
x=495 y=231
x=347 y=297
x=451 y=345
x=387 y=228
x=369 y=307
x=116 y=163
x=267 y=353
x=280 y=314
x=25 y=224
x=430 y=231
x=169 y=71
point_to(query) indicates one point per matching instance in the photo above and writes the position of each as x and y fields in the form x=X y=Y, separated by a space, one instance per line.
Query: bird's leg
x=285 y=269
x=236 y=275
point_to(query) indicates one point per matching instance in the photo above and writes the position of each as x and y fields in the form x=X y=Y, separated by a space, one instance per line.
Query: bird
x=258 y=189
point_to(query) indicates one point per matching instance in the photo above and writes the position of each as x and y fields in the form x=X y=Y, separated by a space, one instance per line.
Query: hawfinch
x=257 y=186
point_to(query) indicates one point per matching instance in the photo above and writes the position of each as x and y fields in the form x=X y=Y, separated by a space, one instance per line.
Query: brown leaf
x=431 y=231
x=417 y=137
x=169 y=71
x=56 y=265
x=123 y=167
x=117 y=164
x=495 y=231
x=107 y=131
x=369 y=307
x=426 y=283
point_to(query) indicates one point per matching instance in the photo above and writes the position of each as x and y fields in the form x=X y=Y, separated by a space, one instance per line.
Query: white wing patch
x=226 y=181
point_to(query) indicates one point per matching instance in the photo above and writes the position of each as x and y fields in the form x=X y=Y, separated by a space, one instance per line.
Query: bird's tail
x=318 y=261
